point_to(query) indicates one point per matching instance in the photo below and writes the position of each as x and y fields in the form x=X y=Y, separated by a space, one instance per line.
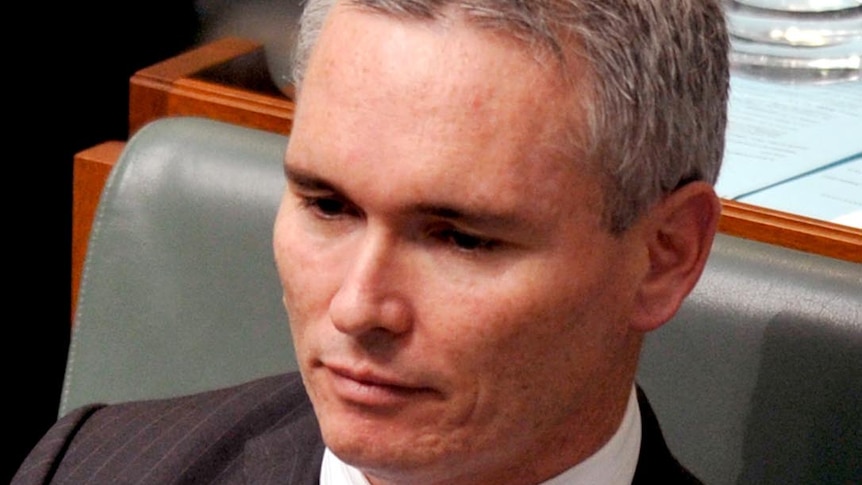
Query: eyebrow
x=477 y=219
x=306 y=180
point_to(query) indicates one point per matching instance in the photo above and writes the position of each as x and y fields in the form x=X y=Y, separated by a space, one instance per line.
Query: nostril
x=379 y=343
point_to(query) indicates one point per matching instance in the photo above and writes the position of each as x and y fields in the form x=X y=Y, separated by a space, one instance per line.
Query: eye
x=326 y=207
x=467 y=242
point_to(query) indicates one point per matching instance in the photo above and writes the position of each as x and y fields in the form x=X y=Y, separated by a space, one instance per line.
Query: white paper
x=833 y=194
x=780 y=131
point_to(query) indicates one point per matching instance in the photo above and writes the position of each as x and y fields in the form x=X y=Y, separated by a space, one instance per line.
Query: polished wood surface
x=225 y=80
x=791 y=230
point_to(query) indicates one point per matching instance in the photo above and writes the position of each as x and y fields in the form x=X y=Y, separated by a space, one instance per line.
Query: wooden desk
x=790 y=230
x=227 y=80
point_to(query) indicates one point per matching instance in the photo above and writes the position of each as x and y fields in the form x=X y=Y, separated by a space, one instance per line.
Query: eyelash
x=466 y=242
x=459 y=240
x=319 y=206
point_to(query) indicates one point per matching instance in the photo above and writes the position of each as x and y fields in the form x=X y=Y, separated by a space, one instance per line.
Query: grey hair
x=657 y=106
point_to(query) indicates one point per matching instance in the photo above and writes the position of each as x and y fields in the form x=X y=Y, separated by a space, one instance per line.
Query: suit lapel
x=656 y=464
x=289 y=454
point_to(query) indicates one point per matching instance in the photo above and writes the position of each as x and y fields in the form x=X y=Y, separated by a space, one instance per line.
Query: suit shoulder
x=656 y=463
x=39 y=465
x=145 y=440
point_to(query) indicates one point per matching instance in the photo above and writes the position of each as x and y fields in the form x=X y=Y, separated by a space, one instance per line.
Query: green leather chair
x=179 y=291
x=757 y=380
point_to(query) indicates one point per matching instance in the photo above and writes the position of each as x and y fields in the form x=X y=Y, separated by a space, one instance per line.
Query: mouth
x=372 y=389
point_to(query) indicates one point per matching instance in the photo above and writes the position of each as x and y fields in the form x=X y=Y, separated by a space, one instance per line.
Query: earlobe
x=678 y=235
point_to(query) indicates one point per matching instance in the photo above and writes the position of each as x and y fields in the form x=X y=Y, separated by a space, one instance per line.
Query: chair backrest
x=179 y=291
x=757 y=380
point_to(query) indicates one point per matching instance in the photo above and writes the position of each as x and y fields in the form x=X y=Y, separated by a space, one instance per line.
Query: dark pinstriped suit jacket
x=262 y=432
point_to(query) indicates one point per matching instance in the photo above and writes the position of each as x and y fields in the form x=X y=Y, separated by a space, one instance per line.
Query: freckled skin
x=507 y=351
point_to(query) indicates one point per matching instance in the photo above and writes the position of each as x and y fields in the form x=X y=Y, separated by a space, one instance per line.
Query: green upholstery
x=757 y=380
x=179 y=291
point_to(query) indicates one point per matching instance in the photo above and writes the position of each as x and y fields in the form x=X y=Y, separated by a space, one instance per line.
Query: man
x=489 y=203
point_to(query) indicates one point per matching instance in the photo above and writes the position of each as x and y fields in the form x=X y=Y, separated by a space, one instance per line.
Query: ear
x=678 y=233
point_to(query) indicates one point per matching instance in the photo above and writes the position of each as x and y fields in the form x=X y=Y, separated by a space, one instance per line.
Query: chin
x=383 y=447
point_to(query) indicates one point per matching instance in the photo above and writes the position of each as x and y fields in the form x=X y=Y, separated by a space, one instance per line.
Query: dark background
x=67 y=84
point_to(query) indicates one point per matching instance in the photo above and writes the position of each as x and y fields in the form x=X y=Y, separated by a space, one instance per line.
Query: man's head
x=656 y=103
x=467 y=274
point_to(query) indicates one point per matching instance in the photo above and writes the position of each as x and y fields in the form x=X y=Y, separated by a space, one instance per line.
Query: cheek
x=487 y=334
x=541 y=323
x=302 y=268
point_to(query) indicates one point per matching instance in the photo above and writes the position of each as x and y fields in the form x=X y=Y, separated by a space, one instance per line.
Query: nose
x=372 y=296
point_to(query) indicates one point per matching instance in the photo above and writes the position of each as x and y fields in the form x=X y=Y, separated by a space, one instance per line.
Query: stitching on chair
x=93 y=242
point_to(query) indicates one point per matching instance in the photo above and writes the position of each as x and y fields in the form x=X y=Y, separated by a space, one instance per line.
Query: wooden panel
x=192 y=97
x=90 y=171
x=790 y=230
x=226 y=80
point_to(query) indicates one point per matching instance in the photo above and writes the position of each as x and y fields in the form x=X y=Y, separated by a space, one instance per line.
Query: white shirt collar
x=336 y=472
x=612 y=464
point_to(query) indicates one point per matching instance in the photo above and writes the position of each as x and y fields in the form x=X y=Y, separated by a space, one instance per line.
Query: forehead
x=458 y=104
x=449 y=56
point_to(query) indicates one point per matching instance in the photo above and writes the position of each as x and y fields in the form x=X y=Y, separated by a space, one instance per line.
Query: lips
x=374 y=389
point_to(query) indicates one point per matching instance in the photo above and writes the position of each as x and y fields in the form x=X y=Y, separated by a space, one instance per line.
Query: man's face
x=457 y=307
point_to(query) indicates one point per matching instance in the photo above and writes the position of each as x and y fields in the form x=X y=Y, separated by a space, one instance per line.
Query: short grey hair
x=657 y=106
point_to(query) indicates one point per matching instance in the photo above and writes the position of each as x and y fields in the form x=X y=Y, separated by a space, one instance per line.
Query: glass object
x=802 y=5
x=273 y=23
x=796 y=40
